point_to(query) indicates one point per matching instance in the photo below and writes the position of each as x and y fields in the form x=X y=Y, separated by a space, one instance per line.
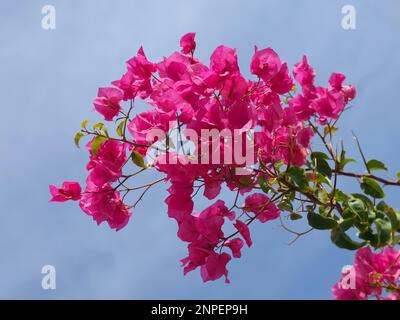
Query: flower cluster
x=183 y=93
x=375 y=275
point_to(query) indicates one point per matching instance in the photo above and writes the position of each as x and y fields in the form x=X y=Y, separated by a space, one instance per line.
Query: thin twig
x=361 y=152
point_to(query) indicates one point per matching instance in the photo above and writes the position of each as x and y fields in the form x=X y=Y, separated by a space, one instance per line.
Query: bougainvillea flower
x=198 y=251
x=180 y=202
x=282 y=82
x=136 y=82
x=336 y=81
x=146 y=122
x=236 y=246
x=203 y=80
x=240 y=126
x=215 y=267
x=140 y=66
x=105 y=204
x=234 y=89
x=329 y=104
x=108 y=101
x=302 y=107
x=262 y=206
x=224 y=62
x=174 y=67
x=371 y=271
x=106 y=164
x=244 y=231
x=265 y=64
x=68 y=191
x=187 y=43
x=304 y=73
x=210 y=221
x=212 y=186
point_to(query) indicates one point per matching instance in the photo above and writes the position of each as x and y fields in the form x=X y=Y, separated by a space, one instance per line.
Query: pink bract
x=68 y=191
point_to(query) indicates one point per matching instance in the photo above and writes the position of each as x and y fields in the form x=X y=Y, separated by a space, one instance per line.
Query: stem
x=115 y=139
x=326 y=144
x=361 y=152
x=297 y=234
x=371 y=176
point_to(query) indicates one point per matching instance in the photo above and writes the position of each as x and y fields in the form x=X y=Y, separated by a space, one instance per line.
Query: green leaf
x=298 y=176
x=323 y=167
x=391 y=213
x=348 y=214
x=342 y=240
x=396 y=239
x=322 y=210
x=371 y=216
x=384 y=231
x=95 y=145
x=291 y=195
x=263 y=185
x=370 y=236
x=84 y=123
x=138 y=159
x=77 y=138
x=319 y=155
x=367 y=201
x=323 y=195
x=120 y=128
x=394 y=217
x=382 y=206
x=285 y=205
x=295 y=216
x=278 y=165
x=347 y=224
x=361 y=226
x=322 y=179
x=346 y=161
x=376 y=165
x=320 y=222
x=358 y=207
x=372 y=188
x=340 y=196
x=398 y=175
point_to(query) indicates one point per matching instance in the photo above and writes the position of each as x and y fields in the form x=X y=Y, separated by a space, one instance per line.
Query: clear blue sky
x=48 y=80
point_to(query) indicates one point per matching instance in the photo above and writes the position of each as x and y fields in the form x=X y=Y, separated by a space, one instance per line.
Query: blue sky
x=48 y=80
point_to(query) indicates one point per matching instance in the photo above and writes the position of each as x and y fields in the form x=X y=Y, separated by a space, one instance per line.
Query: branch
x=371 y=176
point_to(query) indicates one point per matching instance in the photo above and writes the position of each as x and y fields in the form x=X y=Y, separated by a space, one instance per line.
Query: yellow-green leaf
x=138 y=159
x=95 y=145
x=99 y=126
x=77 y=138
x=120 y=128
x=329 y=130
x=84 y=123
